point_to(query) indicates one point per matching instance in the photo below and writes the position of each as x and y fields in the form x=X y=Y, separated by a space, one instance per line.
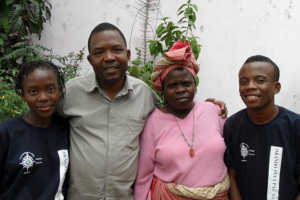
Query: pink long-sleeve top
x=165 y=154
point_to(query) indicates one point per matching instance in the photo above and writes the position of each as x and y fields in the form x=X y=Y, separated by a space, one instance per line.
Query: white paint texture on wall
x=229 y=31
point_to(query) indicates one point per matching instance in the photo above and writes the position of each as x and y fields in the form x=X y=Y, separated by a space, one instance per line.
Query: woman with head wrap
x=182 y=145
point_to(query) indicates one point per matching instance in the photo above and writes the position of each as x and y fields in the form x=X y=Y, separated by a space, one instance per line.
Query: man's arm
x=234 y=190
x=223 y=109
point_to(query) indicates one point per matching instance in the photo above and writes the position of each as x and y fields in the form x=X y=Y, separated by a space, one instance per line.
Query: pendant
x=192 y=152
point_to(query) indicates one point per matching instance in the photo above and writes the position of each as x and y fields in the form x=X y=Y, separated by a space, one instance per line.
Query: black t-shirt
x=33 y=160
x=265 y=157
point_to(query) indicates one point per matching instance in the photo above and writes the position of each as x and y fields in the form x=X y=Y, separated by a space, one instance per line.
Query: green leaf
x=192 y=18
x=155 y=47
x=9 y=2
x=181 y=7
x=195 y=46
x=160 y=29
x=197 y=80
x=188 y=12
x=180 y=12
x=4 y=23
x=182 y=20
x=164 y=18
x=195 y=7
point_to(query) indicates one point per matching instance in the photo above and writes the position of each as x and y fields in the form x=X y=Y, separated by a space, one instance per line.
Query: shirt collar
x=93 y=84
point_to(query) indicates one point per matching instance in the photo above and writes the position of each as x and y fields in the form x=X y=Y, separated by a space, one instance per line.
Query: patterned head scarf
x=179 y=56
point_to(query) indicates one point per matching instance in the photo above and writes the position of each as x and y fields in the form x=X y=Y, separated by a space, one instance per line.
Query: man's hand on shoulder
x=223 y=109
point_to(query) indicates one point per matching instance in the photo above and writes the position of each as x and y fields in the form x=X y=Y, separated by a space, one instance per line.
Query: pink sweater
x=165 y=154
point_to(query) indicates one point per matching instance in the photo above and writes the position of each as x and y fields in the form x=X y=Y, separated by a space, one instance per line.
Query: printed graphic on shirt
x=28 y=160
x=274 y=173
x=63 y=167
x=246 y=151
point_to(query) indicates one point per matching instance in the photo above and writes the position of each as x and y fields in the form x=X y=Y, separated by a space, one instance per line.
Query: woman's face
x=179 y=89
x=41 y=92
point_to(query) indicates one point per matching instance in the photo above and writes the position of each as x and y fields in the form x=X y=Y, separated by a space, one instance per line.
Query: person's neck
x=263 y=116
x=112 y=89
x=180 y=113
x=38 y=122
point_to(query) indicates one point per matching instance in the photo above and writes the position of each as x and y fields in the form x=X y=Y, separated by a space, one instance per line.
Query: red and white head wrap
x=179 y=56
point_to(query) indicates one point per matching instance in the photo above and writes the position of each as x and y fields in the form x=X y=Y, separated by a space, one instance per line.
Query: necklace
x=190 y=145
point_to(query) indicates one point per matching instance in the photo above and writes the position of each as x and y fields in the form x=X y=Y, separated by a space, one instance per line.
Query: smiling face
x=109 y=57
x=257 y=85
x=179 y=89
x=41 y=92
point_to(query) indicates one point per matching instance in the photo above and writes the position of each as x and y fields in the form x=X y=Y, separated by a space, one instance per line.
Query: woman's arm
x=146 y=164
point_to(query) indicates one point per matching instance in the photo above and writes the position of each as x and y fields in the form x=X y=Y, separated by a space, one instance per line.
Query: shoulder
x=61 y=122
x=10 y=124
x=156 y=116
x=80 y=81
x=138 y=84
x=77 y=90
x=142 y=92
x=234 y=123
x=288 y=117
x=10 y=128
x=206 y=104
x=236 y=117
x=288 y=113
x=207 y=107
x=158 y=120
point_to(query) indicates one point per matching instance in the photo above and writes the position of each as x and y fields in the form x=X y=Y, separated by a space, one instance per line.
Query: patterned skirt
x=170 y=191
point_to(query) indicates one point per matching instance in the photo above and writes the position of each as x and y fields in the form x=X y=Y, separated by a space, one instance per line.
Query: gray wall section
x=229 y=31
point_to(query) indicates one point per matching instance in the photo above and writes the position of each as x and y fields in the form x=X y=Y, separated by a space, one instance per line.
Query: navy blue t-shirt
x=265 y=157
x=33 y=160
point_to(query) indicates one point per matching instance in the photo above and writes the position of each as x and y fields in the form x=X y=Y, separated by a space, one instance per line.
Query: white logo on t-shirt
x=28 y=160
x=246 y=151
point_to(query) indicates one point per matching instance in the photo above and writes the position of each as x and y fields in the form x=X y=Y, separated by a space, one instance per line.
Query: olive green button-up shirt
x=104 y=137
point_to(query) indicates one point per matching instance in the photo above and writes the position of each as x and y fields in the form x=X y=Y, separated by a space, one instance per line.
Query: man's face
x=109 y=57
x=257 y=85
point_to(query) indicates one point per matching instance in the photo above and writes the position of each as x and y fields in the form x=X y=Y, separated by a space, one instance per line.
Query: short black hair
x=260 y=58
x=104 y=27
x=29 y=67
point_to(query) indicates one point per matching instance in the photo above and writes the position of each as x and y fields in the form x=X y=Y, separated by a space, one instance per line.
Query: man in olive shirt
x=107 y=111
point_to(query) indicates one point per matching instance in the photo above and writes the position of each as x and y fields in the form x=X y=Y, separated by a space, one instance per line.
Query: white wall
x=229 y=31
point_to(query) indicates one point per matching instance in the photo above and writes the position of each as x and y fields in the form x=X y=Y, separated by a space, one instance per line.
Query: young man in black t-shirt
x=263 y=140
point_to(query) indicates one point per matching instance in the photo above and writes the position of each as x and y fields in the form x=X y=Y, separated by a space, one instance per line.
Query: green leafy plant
x=167 y=33
x=69 y=64
x=12 y=104
x=143 y=71
x=25 y=17
x=19 y=20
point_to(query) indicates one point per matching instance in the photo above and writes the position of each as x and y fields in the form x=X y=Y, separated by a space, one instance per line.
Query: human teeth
x=251 y=98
